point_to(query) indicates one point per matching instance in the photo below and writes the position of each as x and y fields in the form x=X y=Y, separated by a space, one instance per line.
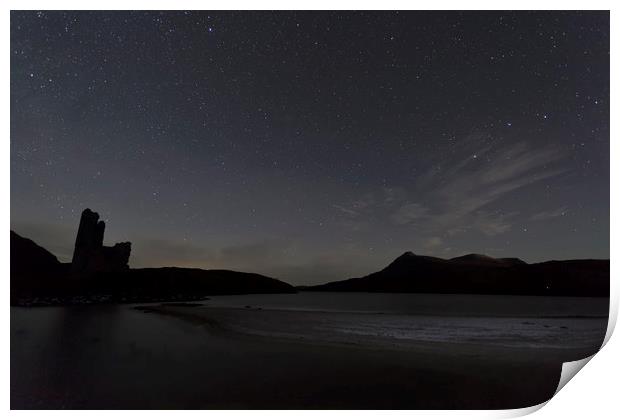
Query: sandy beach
x=220 y=355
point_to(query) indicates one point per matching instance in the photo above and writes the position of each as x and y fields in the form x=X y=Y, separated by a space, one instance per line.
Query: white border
x=592 y=394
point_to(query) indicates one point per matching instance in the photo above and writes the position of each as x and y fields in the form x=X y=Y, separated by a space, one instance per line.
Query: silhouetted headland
x=100 y=273
x=481 y=274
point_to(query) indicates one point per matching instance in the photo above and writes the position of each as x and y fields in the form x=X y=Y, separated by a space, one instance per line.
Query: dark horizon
x=480 y=260
x=313 y=146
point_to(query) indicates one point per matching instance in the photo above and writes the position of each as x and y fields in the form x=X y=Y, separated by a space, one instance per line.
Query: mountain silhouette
x=29 y=258
x=480 y=259
x=481 y=274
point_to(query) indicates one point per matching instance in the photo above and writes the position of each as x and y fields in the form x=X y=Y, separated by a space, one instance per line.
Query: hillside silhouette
x=481 y=274
x=101 y=274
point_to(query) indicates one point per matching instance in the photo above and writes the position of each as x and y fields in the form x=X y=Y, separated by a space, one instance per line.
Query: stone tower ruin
x=89 y=254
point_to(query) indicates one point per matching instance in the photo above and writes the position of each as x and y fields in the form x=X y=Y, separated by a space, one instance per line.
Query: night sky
x=313 y=146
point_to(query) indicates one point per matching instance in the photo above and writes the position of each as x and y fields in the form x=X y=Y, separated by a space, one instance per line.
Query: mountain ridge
x=480 y=274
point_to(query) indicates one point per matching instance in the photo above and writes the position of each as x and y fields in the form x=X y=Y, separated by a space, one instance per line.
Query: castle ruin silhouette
x=90 y=255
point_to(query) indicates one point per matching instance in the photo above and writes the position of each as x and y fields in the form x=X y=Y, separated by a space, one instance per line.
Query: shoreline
x=191 y=355
x=218 y=321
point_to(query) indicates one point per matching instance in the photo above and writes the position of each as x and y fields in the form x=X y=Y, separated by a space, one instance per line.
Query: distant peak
x=410 y=257
x=513 y=261
x=404 y=258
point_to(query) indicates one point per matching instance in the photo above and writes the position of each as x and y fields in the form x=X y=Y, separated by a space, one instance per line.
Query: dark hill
x=28 y=257
x=480 y=274
x=37 y=277
x=32 y=267
x=170 y=281
x=482 y=260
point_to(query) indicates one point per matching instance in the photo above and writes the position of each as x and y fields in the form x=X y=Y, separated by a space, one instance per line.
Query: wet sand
x=311 y=367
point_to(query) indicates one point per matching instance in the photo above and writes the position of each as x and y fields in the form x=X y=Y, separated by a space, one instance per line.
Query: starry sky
x=312 y=146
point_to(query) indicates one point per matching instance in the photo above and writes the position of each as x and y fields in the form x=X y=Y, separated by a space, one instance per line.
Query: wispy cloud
x=493 y=224
x=463 y=191
x=346 y=210
x=433 y=242
x=484 y=177
x=408 y=213
x=357 y=207
x=550 y=214
x=392 y=195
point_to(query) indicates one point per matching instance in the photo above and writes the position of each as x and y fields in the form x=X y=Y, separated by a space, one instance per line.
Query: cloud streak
x=550 y=214
x=463 y=191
